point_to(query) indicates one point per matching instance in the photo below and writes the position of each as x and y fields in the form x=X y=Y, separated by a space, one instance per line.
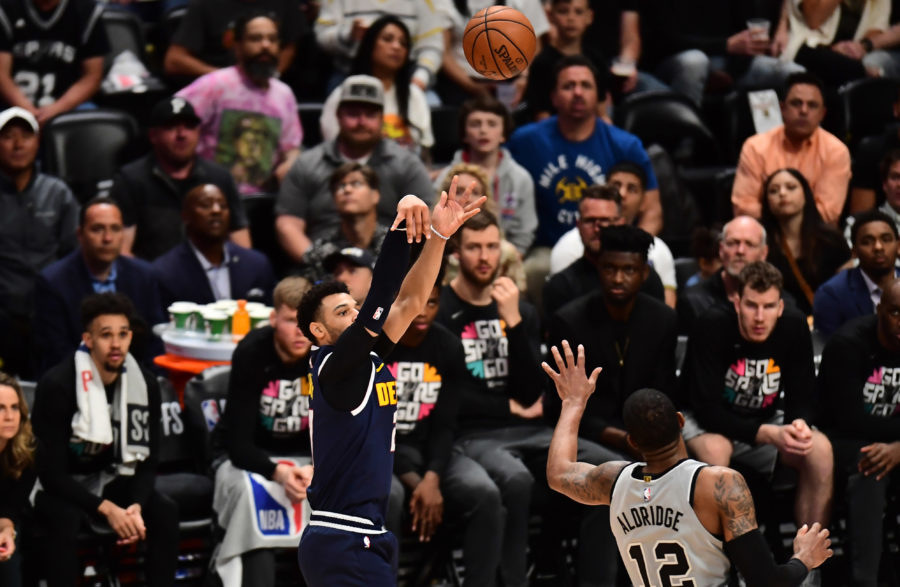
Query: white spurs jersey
x=660 y=538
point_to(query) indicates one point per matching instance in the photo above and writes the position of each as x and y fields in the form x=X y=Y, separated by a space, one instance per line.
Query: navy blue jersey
x=353 y=451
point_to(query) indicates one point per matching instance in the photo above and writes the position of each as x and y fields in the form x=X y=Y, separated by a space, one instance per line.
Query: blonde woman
x=17 y=474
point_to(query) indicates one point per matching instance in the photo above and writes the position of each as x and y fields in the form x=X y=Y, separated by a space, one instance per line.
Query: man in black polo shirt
x=151 y=190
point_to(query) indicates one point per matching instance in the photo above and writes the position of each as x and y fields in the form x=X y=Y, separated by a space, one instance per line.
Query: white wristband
x=439 y=234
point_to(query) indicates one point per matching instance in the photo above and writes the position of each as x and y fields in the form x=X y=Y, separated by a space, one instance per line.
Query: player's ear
x=317 y=330
x=680 y=417
x=632 y=444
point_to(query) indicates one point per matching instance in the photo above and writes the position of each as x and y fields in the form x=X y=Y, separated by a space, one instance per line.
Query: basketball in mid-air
x=499 y=42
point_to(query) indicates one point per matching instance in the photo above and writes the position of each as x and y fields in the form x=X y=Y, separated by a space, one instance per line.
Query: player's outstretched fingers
x=570 y=357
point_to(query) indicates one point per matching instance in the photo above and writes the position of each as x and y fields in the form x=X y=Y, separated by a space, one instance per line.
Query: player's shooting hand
x=812 y=545
x=418 y=221
x=572 y=384
x=126 y=526
x=426 y=504
x=506 y=294
x=453 y=210
x=7 y=542
x=879 y=459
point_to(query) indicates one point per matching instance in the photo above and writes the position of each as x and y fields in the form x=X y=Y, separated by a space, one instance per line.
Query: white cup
x=759 y=29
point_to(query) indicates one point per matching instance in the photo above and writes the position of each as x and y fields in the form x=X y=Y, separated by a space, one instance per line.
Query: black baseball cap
x=354 y=255
x=173 y=109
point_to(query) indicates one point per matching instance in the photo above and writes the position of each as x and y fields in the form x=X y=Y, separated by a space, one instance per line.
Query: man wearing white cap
x=38 y=218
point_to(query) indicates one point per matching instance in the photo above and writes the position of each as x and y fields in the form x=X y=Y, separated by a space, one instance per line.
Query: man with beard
x=248 y=118
x=150 y=191
x=207 y=267
x=500 y=424
x=631 y=335
x=306 y=209
x=857 y=291
x=265 y=432
x=97 y=418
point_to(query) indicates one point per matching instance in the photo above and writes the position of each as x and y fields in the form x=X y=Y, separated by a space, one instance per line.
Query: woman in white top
x=384 y=54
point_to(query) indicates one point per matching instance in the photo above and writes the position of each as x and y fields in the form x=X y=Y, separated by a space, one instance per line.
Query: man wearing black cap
x=38 y=217
x=353 y=267
x=306 y=209
x=150 y=191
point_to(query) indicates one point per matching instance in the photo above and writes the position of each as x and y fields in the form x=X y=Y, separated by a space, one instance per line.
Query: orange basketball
x=499 y=42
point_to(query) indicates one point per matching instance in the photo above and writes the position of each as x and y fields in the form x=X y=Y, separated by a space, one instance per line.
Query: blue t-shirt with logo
x=561 y=169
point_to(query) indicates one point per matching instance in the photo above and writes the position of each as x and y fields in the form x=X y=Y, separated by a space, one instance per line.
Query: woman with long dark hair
x=17 y=474
x=806 y=249
x=383 y=53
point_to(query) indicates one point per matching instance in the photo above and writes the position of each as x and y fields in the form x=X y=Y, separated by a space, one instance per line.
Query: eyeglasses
x=352 y=185
x=599 y=222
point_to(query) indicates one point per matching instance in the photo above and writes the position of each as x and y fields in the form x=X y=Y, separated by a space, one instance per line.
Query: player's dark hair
x=579 y=60
x=349 y=167
x=760 y=276
x=96 y=201
x=105 y=304
x=484 y=104
x=629 y=167
x=887 y=162
x=308 y=310
x=802 y=78
x=602 y=192
x=241 y=22
x=651 y=420
x=626 y=239
x=873 y=215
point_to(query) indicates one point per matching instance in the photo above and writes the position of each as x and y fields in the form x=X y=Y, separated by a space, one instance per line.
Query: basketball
x=499 y=42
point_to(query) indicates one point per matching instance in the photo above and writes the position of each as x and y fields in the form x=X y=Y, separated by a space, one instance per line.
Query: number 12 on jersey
x=671 y=564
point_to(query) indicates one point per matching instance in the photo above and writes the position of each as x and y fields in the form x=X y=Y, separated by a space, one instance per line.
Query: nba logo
x=646 y=494
x=377 y=313
x=210 y=412
x=366 y=542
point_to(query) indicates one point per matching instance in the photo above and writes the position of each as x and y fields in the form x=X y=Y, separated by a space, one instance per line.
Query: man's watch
x=867 y=45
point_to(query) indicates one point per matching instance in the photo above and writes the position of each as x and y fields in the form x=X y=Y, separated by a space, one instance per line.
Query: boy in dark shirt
x=266 y=422
x=96 y=417
x=429 y=366
x=860 y=385
x=738 y=368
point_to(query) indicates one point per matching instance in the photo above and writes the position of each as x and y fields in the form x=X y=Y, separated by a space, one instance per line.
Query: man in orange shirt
x=799 y=143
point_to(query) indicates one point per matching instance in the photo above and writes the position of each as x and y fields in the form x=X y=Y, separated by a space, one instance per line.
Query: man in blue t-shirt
x=574 y=149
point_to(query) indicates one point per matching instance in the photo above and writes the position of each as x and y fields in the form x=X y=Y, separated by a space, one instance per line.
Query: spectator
x=265 y=432
x=743 y=241
x=500 y=412
x=97 y=266
x=705 y=249
x=343 y=23
x=825 y=36
x=866 y=186
x=857 y=291
x=690 y=39
x=600 y=207
x=616 y=29
x=38 y=217
x=629 y=334
x=484 y=125
x=17 y=475
x=510 y=257
x=458 y=81
x=878 y=52
x=94 y=459
x=799 y=143
x=890 y=188
x=150 y=191
x=306 y=210
x=248 y=118
x=384 y=53
x=857 y=381
x=353 y=267
x=355 y=190
x=443 y=487
x=207 y=267
x=806 y=250
x=740 y=364
x=630 y=180
x=205 y=39
x=51 y=54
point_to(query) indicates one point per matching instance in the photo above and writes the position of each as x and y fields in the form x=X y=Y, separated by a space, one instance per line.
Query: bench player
x=352 y=414
x=676 y=520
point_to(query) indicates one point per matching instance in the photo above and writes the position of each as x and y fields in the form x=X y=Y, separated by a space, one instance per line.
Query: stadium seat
x=673 y=122
x=738 y=124
x=84 y=148
x=123 y=29
x=310 y=113
x=685 y=267
x=28 y=388
x=204 y=403
x=445 y=126
x=868 y=106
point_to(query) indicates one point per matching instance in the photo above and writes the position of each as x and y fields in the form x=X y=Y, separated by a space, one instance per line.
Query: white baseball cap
x=17 y=112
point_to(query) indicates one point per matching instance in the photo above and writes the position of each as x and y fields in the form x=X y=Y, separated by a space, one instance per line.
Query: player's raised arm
x=448 y=215
x=583 y=482
x=723 y=494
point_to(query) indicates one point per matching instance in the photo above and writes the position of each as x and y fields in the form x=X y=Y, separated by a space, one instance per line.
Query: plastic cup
x=623 y=68
x=259 y=316
x=180 y=314
x=215 y=321
x=759 y=29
